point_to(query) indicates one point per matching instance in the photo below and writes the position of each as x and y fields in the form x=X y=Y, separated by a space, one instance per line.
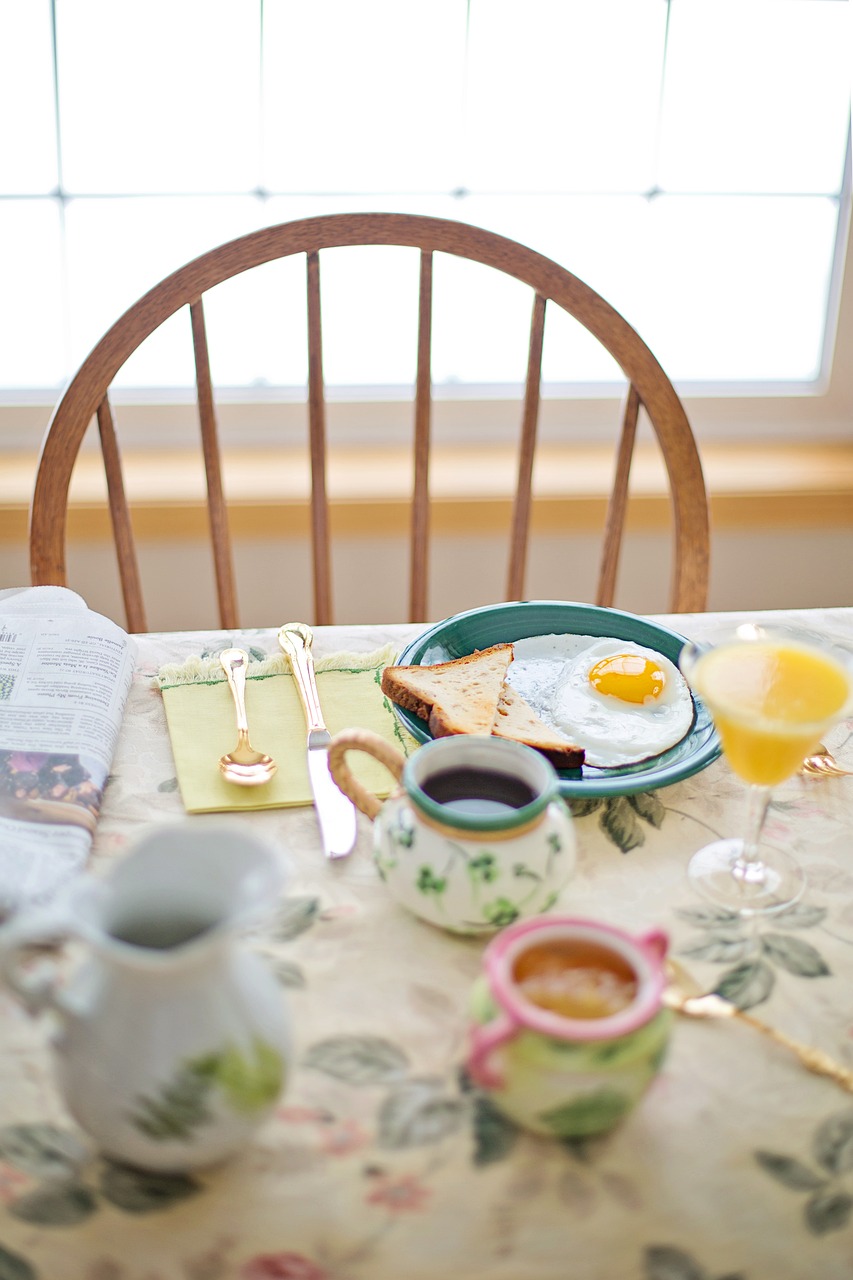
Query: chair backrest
x=87 y=397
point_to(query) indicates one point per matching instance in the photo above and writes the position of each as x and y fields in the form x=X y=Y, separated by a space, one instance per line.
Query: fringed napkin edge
x=198 y=670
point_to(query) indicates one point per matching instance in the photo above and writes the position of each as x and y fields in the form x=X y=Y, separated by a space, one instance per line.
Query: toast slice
x=454 y=697
x=471 y=695
x=516 y=719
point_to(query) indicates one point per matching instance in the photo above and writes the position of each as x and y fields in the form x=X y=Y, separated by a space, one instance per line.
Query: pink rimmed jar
x=567 y=1076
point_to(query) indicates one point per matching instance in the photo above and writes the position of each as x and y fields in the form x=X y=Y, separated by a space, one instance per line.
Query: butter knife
x=336 y=814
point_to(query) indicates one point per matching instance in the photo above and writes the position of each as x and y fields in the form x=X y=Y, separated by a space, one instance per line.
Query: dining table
x=383 y=1160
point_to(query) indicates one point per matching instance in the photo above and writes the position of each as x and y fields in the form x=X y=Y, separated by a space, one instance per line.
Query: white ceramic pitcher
x=173 y=1039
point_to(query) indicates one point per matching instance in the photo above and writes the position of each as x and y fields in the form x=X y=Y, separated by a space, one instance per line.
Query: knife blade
x=336 y=814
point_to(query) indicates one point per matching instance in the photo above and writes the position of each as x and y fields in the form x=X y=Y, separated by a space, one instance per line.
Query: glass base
x=749 y=888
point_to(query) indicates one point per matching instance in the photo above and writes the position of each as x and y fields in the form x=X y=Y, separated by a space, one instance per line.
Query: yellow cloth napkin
x=202 y=726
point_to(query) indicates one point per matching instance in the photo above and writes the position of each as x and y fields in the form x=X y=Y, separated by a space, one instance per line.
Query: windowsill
x=750 y=486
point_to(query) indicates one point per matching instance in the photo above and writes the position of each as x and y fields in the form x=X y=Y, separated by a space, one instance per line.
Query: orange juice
x=771 y=701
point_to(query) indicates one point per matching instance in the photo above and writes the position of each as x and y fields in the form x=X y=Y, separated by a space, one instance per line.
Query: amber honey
x=575 y=978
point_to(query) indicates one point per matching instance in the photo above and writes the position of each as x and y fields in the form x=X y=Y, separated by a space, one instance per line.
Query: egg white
x=552 y=674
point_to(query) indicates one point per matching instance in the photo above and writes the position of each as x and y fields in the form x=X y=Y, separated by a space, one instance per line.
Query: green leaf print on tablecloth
x=418 y=1111
x=55 y=1204
x=293 y=917
x=72 y=1185
x=755 y=949
x=829 y=1186
x=358 y=1060
x=618 y=816
x=664 y=1262
x=143 y=1191
x=14 y=1267
x=495 y=1134
x=41 y=1150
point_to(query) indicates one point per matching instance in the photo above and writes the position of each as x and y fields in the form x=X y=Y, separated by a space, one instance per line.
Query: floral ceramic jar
x=476 y=837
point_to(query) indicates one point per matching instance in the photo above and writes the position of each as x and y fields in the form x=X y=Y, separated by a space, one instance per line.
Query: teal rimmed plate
x=499 y=623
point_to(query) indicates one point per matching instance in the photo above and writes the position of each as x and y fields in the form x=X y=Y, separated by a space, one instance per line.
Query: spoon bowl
x=244 y=765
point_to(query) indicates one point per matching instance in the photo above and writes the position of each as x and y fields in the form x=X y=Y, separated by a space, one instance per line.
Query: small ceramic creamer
x=477 y=835
x=567 y=1024
x=172 y=1038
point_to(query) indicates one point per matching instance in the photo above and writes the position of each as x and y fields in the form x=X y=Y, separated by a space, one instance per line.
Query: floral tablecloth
x=382 y=1161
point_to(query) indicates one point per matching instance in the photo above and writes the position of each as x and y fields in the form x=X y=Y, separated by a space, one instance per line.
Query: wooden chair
x=87 y=397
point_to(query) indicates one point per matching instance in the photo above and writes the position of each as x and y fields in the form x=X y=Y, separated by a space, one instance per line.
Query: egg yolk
x=628 y=676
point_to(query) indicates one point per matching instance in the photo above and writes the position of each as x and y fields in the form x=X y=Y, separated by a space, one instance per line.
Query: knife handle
x=295 y=640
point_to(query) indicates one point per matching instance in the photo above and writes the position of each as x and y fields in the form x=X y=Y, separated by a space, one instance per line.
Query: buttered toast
x=471 y=695
x=516 y=719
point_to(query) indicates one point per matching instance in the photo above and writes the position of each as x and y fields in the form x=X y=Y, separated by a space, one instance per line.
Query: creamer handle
x=362 y=740
x=657 y=942
x=483 y=1041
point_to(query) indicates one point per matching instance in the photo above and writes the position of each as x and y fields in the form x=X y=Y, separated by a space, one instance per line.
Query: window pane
x=159 y=97
x=31 y=306
x=565 y=100
x=27 y=136
x=744 y=294
x=126 y=247
x=256 y=327
x=363 y=96
x=757 y=96
x=543 y=122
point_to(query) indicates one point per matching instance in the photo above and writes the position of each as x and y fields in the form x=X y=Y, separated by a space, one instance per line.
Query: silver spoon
x=685 y=996
x=823 y=764
x=244 y=765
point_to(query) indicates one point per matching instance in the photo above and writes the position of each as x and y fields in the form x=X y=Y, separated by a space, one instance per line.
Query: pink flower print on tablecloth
x=343 y=1137
x=12 y=1182
x=404 y=1194
x=282 y=1266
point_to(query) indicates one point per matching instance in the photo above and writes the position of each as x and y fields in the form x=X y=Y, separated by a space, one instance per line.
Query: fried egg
x=620 y=701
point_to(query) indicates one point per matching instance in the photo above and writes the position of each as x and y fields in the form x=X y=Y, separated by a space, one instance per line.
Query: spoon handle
x=234 y=663
x=814 y=1060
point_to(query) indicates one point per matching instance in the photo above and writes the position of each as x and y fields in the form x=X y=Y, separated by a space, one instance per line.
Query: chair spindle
x=527 y=448
x=317 y=435
x=131 y=585
x=419 y=551
x=618 y=502
x=219 y=530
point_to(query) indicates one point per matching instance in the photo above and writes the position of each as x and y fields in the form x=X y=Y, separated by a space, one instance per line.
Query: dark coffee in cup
x=478 y=792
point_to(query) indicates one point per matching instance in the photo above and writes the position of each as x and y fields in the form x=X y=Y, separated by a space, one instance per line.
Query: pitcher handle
x=373 y=745
x=45 y=926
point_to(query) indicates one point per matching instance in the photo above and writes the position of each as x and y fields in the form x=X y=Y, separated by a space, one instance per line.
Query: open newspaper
x=65 y=673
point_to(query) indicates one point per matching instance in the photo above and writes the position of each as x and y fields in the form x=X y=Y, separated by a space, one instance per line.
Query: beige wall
x=749 y=570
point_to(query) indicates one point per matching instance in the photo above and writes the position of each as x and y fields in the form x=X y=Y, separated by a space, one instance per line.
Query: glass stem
x=759 y=799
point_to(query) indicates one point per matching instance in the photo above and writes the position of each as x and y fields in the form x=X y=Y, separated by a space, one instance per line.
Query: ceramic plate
x=498 y=623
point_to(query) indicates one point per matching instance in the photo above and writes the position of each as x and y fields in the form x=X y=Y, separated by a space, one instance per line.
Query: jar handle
x=42 y=927
x=483 y=1041
x=371 y=743
x=657 y=942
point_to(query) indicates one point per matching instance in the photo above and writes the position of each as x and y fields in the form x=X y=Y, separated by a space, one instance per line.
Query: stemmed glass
x=773 y=691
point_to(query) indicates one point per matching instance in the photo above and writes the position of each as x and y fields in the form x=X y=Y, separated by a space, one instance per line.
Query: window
x=685 y=157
